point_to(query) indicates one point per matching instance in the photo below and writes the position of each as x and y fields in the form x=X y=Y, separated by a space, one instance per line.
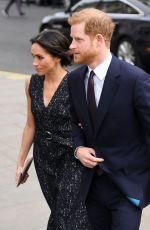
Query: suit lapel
x=82 y=98
x=110 y=87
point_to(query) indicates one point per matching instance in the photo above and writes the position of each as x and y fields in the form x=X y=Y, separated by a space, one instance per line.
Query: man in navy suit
x=113 y=143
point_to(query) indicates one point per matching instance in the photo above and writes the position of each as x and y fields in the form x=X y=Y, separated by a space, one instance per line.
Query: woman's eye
x=40 y=57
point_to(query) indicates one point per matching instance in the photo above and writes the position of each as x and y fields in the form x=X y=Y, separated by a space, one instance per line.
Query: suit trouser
x=18 y=4
x=108 y=208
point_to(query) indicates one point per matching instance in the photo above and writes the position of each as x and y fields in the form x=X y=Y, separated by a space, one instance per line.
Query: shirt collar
x=101 y=70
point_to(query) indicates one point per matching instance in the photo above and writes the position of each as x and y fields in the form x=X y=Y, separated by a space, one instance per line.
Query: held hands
x=88 y=157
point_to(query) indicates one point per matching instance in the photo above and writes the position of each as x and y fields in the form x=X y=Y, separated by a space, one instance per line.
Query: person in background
x=48 y=126
x=110 y=109
x=5 y=12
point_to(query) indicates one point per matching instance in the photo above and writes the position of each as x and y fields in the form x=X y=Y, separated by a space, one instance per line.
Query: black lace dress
x=59 y=173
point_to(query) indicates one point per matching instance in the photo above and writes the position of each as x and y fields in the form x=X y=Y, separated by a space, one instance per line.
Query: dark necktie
x=91 y=98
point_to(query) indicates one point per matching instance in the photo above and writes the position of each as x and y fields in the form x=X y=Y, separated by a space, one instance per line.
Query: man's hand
x=88 y=157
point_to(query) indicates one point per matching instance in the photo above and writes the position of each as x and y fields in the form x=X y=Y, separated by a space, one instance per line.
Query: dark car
x=131 y=38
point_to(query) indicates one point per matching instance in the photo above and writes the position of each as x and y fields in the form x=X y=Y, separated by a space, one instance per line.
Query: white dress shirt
x=99 y=77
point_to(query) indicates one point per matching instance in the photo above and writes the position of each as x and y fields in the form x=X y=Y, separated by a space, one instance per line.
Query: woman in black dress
x=48 y=126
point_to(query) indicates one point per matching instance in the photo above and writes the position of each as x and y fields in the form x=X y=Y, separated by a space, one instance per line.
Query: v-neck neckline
x=55 y=93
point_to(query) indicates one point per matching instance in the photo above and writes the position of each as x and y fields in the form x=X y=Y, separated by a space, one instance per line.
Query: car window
x=146 y=2
x=85 y=5
x=116 y=7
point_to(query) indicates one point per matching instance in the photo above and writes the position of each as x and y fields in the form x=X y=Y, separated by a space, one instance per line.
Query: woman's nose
x=34 y=63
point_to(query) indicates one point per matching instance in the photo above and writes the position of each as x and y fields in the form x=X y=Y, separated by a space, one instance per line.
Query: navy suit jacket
x=122 y=135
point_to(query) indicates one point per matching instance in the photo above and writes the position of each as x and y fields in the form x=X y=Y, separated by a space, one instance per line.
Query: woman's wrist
x=20 y=162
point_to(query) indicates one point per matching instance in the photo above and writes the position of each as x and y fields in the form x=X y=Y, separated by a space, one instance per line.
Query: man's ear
x=99 y=39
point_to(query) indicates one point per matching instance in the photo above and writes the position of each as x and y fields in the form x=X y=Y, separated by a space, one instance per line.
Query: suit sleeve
x=142 y=101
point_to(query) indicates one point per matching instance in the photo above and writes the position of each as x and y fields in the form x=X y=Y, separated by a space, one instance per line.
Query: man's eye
x=78 y=39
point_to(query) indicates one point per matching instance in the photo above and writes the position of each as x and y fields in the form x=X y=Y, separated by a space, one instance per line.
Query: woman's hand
x=18 y=174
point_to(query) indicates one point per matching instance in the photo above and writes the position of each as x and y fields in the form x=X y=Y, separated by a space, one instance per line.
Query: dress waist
x=47 y=137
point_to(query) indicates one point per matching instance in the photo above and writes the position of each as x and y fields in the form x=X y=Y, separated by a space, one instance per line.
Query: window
x=80 y=6
x=110 y=6
x=146 y=2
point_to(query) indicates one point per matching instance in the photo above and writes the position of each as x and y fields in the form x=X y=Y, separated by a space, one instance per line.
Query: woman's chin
x=40 y=73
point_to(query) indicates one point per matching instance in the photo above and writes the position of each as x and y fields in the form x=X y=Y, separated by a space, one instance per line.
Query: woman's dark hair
x=55 y=43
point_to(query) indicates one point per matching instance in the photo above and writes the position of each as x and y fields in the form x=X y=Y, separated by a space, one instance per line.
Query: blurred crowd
x=56 y=3
x=53 y=3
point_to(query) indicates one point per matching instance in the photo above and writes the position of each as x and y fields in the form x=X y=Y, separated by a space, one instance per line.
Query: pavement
x=22 y=208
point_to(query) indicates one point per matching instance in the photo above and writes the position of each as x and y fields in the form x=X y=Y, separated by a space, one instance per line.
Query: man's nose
x=72 y=45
